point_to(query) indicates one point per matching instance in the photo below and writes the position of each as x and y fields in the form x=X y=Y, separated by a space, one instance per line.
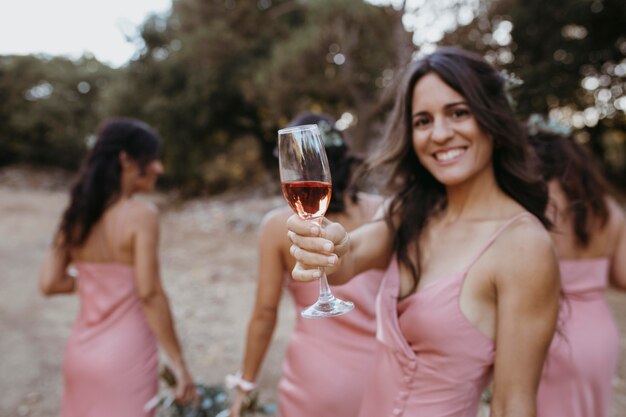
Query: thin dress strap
x=495 y=236
x=121 y=219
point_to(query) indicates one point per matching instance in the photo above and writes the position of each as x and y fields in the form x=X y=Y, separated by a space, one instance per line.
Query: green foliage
x=212 y=401
x=48 y=107
x=571 y=56
x=187 y=83
x=340 y=58
x=218 y=78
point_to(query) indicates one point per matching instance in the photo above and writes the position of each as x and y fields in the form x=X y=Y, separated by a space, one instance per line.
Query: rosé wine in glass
x=307 y=186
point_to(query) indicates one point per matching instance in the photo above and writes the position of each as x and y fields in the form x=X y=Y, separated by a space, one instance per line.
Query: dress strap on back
x=119 y=224
x=496 y=235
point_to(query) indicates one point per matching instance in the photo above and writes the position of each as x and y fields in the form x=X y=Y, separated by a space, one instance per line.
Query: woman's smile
x=450 y=155
x=446 y=136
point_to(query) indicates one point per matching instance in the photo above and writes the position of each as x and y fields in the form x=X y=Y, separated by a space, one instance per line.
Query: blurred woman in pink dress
x=110 y=366
x=327 y=360
x=590 y=240
x=471 y=288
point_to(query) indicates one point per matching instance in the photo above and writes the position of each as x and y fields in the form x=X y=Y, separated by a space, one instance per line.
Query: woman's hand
x=236 y=407
x=54 y=277
x=314 y=247
x=185 y=390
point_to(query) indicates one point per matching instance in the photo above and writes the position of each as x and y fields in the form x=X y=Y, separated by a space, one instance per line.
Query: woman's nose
x=441 y=130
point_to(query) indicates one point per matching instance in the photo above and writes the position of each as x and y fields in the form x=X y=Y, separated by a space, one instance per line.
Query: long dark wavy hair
x=99 y=180
x=416 y=194
x=342 y=162
x=572 y=166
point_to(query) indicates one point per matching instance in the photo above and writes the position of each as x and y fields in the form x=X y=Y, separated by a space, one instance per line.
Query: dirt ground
x=208 y=257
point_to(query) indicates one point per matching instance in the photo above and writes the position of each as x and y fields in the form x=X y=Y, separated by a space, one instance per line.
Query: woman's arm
x=342 y=254
x=273 y=245
x=54 y=278
x=527 y=302
x=617 y=221
x=153 y=298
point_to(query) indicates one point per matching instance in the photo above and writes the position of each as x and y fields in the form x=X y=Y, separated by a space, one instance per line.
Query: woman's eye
x=421 y=121
x=459 y=113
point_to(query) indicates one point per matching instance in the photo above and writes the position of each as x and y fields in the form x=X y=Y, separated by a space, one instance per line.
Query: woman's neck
x=126 y=187
x=477 y=198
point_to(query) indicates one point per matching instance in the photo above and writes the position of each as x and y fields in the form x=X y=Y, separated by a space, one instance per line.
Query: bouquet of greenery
x=212 y=402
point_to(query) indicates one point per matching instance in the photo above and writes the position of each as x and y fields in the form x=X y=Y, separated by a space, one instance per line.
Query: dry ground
x=208 y=265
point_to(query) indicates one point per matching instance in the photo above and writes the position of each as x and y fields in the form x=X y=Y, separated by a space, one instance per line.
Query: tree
x=344 y=57
x=48 y=107
x=218 y=78
x=571 y=56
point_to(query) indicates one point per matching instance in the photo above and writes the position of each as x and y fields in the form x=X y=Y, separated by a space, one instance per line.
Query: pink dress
x=583 y=357
x=430 y=360
x=328 y=360
x=110 y=366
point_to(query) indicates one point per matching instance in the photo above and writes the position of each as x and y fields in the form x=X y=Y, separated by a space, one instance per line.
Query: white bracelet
x=236 y=381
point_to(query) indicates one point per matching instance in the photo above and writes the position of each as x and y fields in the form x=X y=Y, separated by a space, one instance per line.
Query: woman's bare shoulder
x=276 y=218
x=525 y=248
x=616 y=224
x=142 y=214
x=617 y=215
x=527 y=231
x=273 y=227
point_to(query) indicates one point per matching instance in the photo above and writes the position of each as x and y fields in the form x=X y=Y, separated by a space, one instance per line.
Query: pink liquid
x=309 y=199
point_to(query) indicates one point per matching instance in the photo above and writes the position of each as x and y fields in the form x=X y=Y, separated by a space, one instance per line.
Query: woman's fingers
x=334 y=232
x=309 y=265
x=313 y=247
x=193 y=394
x=329 y=230
x=179 y=396
x=312 y=259
x=310 y=236
x=303 y=227
x=300 y=273
x=185 y=393
x=311 y=244
x=340 y=238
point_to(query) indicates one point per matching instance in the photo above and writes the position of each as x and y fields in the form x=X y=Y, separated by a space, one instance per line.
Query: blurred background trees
x=571 y=57
x=217 y=78
x=48 y=108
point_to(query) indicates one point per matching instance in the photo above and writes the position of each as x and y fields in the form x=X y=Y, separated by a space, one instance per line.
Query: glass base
x=334 y=307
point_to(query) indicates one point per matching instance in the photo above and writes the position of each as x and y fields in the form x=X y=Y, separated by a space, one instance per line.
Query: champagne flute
x=306 y=184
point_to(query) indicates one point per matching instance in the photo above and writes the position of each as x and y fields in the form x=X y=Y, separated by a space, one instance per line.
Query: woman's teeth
x=448 y=155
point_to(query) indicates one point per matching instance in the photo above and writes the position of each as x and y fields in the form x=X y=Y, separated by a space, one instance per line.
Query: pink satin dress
x=430 y=360
x=328 y=360
x=110 y=366
x=583 y=357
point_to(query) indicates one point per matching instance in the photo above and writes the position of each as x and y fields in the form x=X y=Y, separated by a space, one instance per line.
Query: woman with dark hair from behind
x=471 y=288
x=590 y=240
x=110 y=366
x=321 y=375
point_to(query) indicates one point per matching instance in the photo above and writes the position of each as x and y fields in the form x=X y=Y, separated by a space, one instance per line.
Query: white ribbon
x=236 y=381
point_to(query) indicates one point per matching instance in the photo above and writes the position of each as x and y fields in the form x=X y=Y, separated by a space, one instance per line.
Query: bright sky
x=73 y=27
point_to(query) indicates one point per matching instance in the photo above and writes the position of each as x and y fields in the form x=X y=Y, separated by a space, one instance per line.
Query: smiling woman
x=74 y=27
x=471 y=288
x=447 y=139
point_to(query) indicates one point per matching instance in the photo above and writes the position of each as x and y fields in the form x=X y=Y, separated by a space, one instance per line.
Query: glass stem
x=326 y=296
